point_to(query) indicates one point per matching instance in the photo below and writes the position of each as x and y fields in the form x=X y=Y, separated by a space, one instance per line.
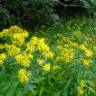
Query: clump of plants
x=38 y=66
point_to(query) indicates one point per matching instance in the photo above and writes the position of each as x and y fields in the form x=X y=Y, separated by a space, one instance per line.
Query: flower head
x=86 y=62
x=46 y=67
x=24 y=59
x=89 y=53
x=2 y=58
x=23 y=75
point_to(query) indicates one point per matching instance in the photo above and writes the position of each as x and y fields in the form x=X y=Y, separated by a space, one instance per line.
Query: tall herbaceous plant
x=31 y=66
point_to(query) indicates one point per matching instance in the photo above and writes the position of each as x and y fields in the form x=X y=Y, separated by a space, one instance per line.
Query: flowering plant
x=31 y=66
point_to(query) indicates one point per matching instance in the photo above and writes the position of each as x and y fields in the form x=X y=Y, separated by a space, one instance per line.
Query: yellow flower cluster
x=47 y=66
x=32 y=45
x=39 y=44
x=23 y=75
x=81 y=88
x=2 y=58
x=41 y=62
x=24 y=59
x=23 y=51
x=16 y=34
x=88 y=53
x=19 y=38
x=82 y=47
x=4 y=33
x=1 y=47
x=86 y=62
x=66 y=54
x=12 y=49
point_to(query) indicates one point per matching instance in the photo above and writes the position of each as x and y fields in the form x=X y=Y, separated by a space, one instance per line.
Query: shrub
x=28 y=13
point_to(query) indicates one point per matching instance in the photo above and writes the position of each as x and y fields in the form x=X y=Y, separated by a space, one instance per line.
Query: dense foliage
x=28 y=13
x=32 y=13
x=56 y=61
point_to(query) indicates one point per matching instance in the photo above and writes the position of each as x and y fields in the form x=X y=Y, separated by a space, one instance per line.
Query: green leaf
x=5 y=87
x=11 y=92
x=19 y=92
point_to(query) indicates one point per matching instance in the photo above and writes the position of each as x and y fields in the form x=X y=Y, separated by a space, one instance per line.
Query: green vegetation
x=55 y=61
x=46 y=52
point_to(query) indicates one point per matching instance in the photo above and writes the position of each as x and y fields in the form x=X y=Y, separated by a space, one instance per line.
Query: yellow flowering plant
x=58 y=64
x=19 y=61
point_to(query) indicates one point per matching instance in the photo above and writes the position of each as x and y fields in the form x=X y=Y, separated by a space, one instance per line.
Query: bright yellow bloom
x=40 y=62
x=94 y=48
x=24 y=59
x=12 y=30
x=73 y=44
x=46 y=67
x=68 y=54
x=86 y=62
x=89 y=53
x=77 y=34
x=48 y=54
x=30 y=47
x=34 y=41
x=42 y=46
x=4 y=33
x=83 y=47
x=56 y=67
x=12 y=49
x=80 y=91
x=80 y=88
x=19 y=38
x=2 y=58
x=23 y=75
x=82 y=83
x=1 y=46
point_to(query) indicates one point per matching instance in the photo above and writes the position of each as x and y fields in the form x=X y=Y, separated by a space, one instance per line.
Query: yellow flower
x=30 y=47
x=34 y=41
x=68 y=54
x=89 y=53
x=80 y=91
x=56 y=67
x=24 y=59
x=2 y=58
x=77 y=34
x=94 y=48
x=23 y=75
x=82 y=83
x=82 y=47
x=1 y=46
x=40 y=62
x=48 y=54
x=42 y=46
x=46 y=67
x=73 y=44
x=86 y=62
x=12 y=49
x=18 y=39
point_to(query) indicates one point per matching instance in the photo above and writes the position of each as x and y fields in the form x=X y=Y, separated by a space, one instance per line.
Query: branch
x=65 y=5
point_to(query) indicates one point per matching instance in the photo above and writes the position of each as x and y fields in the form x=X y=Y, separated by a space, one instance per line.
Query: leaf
x=65 y=91
x=5 y=87
x=19 y=92
x=11 y=92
